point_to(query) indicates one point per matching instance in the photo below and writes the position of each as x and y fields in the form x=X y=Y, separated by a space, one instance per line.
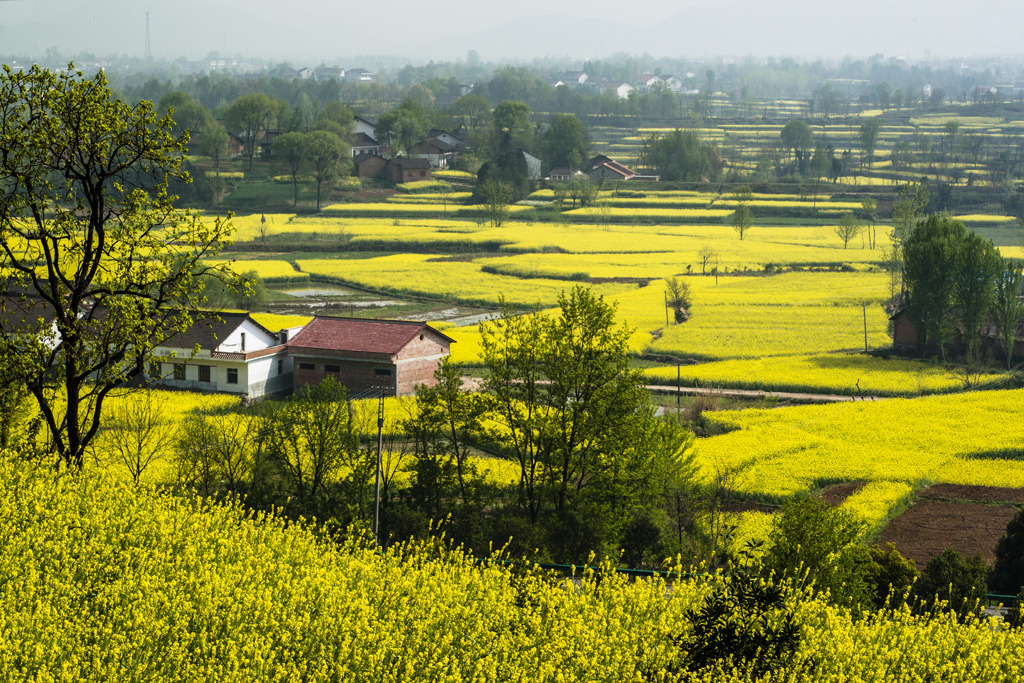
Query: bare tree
x=137 y=435
x=707 y=255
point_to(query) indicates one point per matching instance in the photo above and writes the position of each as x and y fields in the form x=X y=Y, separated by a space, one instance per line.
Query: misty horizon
x=447 y=30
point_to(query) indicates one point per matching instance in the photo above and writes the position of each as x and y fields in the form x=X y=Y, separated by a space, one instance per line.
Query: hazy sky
x=314 y=31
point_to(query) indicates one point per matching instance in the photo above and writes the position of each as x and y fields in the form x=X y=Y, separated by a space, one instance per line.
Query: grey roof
x=364 y=140
x=210 y=329
x=406 y=162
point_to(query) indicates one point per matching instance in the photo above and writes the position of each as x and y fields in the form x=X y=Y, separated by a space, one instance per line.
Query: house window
x=332 y=368
x=179 y=371
x=243 y=341
x=154 y=371
x=232 y=375
x=280 y=366
x=307 y=366
x=204 y=373
x=382 y=372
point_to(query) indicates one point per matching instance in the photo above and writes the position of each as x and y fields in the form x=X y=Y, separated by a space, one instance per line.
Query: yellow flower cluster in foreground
x=101 y=582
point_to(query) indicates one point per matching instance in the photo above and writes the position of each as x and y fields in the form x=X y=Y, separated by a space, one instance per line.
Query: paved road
x=474 y=384
x=751 y=393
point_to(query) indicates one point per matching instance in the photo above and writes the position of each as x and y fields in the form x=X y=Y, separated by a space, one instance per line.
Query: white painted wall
x=255 y=339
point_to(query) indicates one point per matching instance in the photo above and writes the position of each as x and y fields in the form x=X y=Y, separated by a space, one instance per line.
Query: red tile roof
x=359 y=334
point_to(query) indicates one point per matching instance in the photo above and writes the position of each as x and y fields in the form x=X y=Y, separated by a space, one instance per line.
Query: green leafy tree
x=448 y=421
x=497 y=196
x=213 y=142
x=205 y=135
x=402 y=128
x=512 y=127
x=677 y=294
x=1007 y=306
x=580 y=190
x=337 y=118
x=974 y=287
x=570 y=409
x=742 y=218
x=890 y=576
x=797 y=136
x=911 y=201
x=314 y=436
x=931 y=256
x=848 y=228
x=743 y=624
x=474 y=112
x=681 y=155
x=869 y=130
x=327 y=155
x=90 y=239
x=250 y=116
x=291 y=148
x=1008 y=572
x=565 y=142
x=955 y=580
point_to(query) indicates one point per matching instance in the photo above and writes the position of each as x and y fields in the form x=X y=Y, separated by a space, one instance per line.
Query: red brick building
x=367 y=355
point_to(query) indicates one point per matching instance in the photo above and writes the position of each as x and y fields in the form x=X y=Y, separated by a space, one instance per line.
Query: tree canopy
x=571 y=411
x=681 y=155
x=950 y=277
x=101 y=268
x=565 y=142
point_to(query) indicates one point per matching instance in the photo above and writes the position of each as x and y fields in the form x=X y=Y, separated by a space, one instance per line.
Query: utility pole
x=376 y=486
x=865 y=327
x=149 y=53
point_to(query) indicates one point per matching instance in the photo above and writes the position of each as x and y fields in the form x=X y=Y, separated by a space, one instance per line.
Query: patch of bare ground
x=949 y=516
x=987 y=494
x=837 y=493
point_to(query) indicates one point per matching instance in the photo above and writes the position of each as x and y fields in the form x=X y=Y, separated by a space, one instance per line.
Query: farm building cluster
x=232 y=352
x=238 y=355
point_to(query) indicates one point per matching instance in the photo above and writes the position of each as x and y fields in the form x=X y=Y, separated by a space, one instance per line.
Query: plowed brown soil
x=968 y=519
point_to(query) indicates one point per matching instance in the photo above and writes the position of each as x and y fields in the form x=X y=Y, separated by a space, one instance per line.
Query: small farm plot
x=968 y=519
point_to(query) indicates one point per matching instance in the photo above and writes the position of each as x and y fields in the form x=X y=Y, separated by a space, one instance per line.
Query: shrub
x=811 y=546
x=1008 y=572
x=955 y=580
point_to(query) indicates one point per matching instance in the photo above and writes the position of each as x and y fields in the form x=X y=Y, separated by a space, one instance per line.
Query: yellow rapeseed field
x=850 y=374
x=971 y=438
x=105 y=582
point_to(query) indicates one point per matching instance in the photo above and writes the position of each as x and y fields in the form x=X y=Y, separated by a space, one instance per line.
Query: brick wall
x=357 y=376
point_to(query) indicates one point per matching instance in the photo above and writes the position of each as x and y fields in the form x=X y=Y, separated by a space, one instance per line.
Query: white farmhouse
x=226 y=352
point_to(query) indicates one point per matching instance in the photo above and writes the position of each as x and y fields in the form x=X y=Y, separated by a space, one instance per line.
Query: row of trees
x=955 y=282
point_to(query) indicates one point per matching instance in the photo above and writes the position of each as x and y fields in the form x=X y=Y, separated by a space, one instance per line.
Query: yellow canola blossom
x=849 y=374
x=104 y=582
x=268 y=271
x=962 y=438
x=455 y=280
